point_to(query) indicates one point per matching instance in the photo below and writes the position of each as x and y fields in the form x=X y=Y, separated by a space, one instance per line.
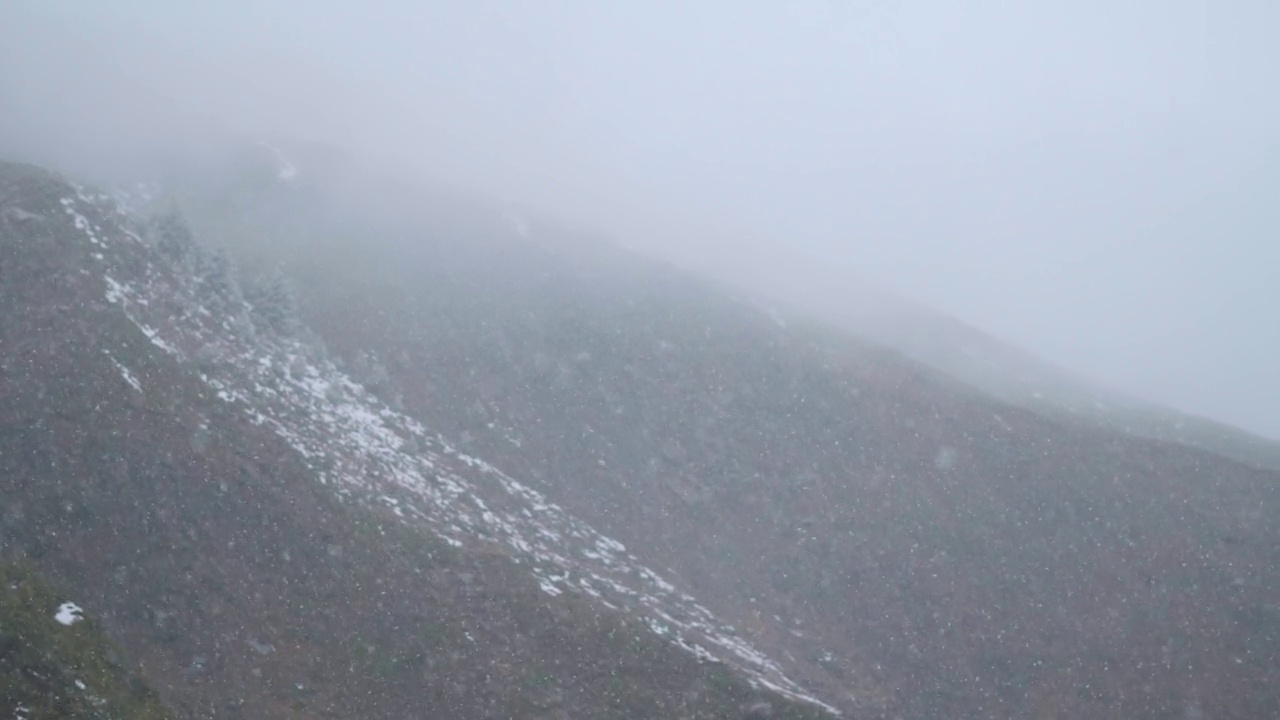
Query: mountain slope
x=267 y=540
x=899 y=542
x=56 y=663
x=1018 y=378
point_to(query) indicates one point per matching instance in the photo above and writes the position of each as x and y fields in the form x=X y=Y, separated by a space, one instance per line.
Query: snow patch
x=17 y=213
x=69 y=613
x=285 y=170
x=116 y=292
x=366 y=452
x=128 y=376
x=519 y=225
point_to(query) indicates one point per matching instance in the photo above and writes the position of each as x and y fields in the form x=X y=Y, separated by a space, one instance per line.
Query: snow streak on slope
x=285 y=170
x=370 y=453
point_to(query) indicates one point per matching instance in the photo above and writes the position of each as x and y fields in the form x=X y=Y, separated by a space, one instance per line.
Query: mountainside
x=56 y=663
x=266 y=483
x=265 y=539
x=1021 y=379
x=997 y=368
x=900 y=543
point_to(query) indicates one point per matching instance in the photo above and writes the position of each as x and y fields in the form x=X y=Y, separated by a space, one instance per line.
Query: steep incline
x=918 y=548
x=252 y=522
x=55 y=663
x=1021 y=379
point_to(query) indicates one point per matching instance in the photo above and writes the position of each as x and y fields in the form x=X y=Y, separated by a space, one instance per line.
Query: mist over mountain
x=1088 y=184
x=296 y=423
x=827 y=524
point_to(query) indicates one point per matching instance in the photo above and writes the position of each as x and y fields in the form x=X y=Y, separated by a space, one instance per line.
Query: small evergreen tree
x=274 y=304
x=218 y=288
x=369 y=371
x=174 y=239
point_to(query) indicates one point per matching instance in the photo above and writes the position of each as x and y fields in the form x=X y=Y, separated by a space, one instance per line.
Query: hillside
x=904 y=544
x=1018 y=378
x=57 y=663
x=686 y=507
x=997 y=368
x=300 y=431
x=264 y=539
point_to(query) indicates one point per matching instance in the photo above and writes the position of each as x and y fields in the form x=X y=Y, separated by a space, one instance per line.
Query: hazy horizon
x=1092 y=183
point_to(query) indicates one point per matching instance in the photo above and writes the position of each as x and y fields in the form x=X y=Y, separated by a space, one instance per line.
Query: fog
x=1095 y=183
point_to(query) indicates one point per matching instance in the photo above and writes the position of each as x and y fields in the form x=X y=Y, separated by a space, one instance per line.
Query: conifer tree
x=174 y=238
x=274 y=304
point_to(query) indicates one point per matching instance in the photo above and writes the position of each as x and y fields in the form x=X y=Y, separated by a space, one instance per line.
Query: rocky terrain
x=310 y=444
x=56 y=663
x=266 y=539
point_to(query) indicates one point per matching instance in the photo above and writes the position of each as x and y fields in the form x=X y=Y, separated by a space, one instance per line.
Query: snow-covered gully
x=368 y=452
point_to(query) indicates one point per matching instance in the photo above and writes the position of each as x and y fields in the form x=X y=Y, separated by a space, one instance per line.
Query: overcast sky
x=1097 y=182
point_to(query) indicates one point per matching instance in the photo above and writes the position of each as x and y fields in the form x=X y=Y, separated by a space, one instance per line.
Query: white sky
x=1097 y=182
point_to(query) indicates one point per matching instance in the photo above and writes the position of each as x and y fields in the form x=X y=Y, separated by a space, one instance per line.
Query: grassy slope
x=50 y=670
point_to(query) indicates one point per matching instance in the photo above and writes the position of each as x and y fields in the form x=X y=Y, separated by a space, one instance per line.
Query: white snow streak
x=128 y=376
x=357 y=445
